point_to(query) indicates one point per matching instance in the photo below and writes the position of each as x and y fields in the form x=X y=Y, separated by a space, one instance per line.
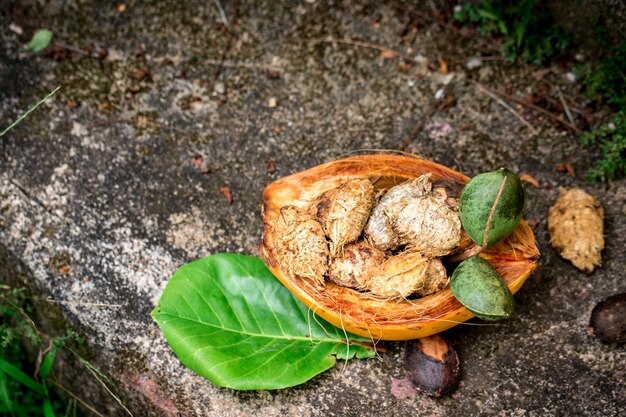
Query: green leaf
x=20 y=376
x=40 y=40
x=526 y=14
x=230 y=320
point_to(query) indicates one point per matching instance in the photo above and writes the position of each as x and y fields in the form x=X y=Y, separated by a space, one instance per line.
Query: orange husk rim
x=515 y=257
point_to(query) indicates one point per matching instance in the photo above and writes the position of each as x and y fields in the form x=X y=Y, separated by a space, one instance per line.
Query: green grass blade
x=5 y=398
x=29 y=111
x=48 y=411
x=20 y=376
x=46 y=364
x=22 y=409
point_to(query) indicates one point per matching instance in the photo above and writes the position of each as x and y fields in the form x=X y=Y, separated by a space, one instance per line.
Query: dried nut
x=301 y=245
x=343 y=212
x=425 y=224
x=353 y=266
x=437 y=278
x=608 y=319
x=433 y=365
x=405 y=274
x=576 y=226
x=478 y=197
x=377 y=230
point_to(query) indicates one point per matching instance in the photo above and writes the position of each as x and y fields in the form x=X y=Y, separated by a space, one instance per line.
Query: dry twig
x=503 y=103
x=249 y=65
x=566 y=107
x=361 y=44
x=218 y=4
x=540 y=110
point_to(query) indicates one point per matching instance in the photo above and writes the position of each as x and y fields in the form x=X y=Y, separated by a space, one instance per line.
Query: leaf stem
x=455 y=259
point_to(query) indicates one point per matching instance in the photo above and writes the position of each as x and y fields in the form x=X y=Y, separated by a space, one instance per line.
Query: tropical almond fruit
x=514 y=257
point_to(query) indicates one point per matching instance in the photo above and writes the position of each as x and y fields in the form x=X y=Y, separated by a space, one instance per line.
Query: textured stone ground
x=124 y=187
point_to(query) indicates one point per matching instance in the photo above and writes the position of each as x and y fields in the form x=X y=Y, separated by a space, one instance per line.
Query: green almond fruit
x=478 y=286
x=478 y=197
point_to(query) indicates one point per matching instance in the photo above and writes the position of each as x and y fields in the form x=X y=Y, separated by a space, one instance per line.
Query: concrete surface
x=113 y=184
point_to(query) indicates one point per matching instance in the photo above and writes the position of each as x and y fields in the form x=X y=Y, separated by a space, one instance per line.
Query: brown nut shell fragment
x=405 y=274
x=425 y=224
x=433 y=365
x=301 y=245
x=576 y=226
x=448 y=191
x=352 y=267
x=377 y=230
x=343 y=212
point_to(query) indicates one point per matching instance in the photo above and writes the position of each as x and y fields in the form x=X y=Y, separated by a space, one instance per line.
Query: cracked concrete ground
x=119 y=176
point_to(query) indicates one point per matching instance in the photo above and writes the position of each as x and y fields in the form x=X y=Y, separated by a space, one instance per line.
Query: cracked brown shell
x=514 y=257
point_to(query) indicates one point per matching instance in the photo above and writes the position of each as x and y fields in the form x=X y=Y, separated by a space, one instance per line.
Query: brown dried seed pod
x=353 y=266
x=405 y=274
x=377 y=231
x=343 y=212
x=425 y=224
x=576 y=227
x=301 y=245
x=433 y=365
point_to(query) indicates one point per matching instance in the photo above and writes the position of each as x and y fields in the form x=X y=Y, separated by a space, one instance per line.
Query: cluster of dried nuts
x=388 y=245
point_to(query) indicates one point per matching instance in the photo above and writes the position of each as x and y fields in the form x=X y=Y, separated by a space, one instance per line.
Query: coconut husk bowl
x=514 y=257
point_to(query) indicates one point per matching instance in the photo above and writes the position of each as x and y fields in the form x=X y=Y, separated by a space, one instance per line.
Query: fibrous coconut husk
x=514 y=257
x=343 y=212
x=576 y=226
x=352 y=267
x=425 y=224
x=407 y=273
x=301 y=245
x=377 y=230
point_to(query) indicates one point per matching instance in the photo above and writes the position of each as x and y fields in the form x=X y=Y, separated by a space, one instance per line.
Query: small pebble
x=220 y=88
x=16 y=28
x=271 y=103
x=473 y=63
